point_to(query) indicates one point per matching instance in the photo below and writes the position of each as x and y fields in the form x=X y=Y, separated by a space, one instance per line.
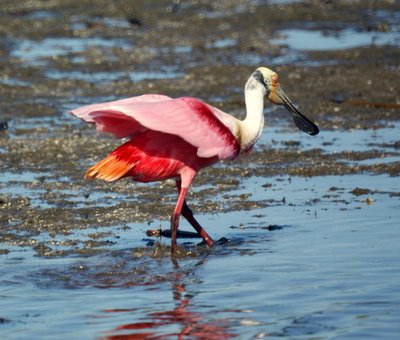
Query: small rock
x=369 y=201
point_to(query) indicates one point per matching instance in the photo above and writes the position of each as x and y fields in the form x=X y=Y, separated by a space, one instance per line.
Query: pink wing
x=201 y=125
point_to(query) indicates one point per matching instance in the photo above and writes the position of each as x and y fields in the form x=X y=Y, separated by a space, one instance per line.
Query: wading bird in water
x=175 y=138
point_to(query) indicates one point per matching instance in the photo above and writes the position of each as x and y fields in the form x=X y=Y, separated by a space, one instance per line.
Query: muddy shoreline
x=62 y=54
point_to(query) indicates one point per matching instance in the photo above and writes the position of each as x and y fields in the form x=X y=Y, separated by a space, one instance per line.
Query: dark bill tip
x=301 y=121
x=304 y=124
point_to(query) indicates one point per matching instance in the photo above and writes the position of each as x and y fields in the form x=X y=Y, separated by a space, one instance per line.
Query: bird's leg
x=188 y=214
x=187 y=176
x=175 y=218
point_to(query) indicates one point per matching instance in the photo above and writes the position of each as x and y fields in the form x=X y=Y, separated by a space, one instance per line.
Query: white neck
x=251 y=127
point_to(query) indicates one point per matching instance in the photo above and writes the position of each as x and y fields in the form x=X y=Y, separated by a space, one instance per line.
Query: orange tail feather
x=109 y=169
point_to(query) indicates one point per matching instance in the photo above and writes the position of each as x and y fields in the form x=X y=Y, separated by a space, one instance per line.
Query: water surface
x=318 y=261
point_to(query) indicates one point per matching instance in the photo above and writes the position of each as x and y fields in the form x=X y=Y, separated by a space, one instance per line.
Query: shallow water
x=335 y=40
x=35 y=52
x=330 y=271
x=318 y=261
x=137 y=76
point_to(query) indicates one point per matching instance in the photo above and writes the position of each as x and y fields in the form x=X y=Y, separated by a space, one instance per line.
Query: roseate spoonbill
x=175 y=138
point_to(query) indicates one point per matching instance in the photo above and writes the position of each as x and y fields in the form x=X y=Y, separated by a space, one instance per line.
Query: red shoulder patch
x=206 y=114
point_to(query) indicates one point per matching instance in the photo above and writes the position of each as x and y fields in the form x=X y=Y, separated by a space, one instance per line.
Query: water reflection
x=183 y=320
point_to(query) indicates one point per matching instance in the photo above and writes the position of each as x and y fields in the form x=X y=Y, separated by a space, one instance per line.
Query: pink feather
x=205 y=127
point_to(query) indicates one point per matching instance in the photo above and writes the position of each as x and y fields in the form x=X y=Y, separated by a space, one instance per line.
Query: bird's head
x=273 y=91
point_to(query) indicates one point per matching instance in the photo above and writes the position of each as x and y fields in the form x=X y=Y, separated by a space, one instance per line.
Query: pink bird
x=175 y=138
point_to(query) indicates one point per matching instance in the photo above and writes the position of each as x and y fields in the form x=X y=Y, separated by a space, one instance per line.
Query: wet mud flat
x=338 y=61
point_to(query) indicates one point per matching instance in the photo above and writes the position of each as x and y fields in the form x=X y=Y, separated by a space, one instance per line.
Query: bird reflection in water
x=191 y=324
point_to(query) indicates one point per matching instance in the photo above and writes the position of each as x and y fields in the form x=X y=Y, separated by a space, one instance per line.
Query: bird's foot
x=167 y=233
x=221 y=241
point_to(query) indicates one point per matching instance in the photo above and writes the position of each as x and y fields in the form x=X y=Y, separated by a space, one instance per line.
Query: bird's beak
x=301 y=121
